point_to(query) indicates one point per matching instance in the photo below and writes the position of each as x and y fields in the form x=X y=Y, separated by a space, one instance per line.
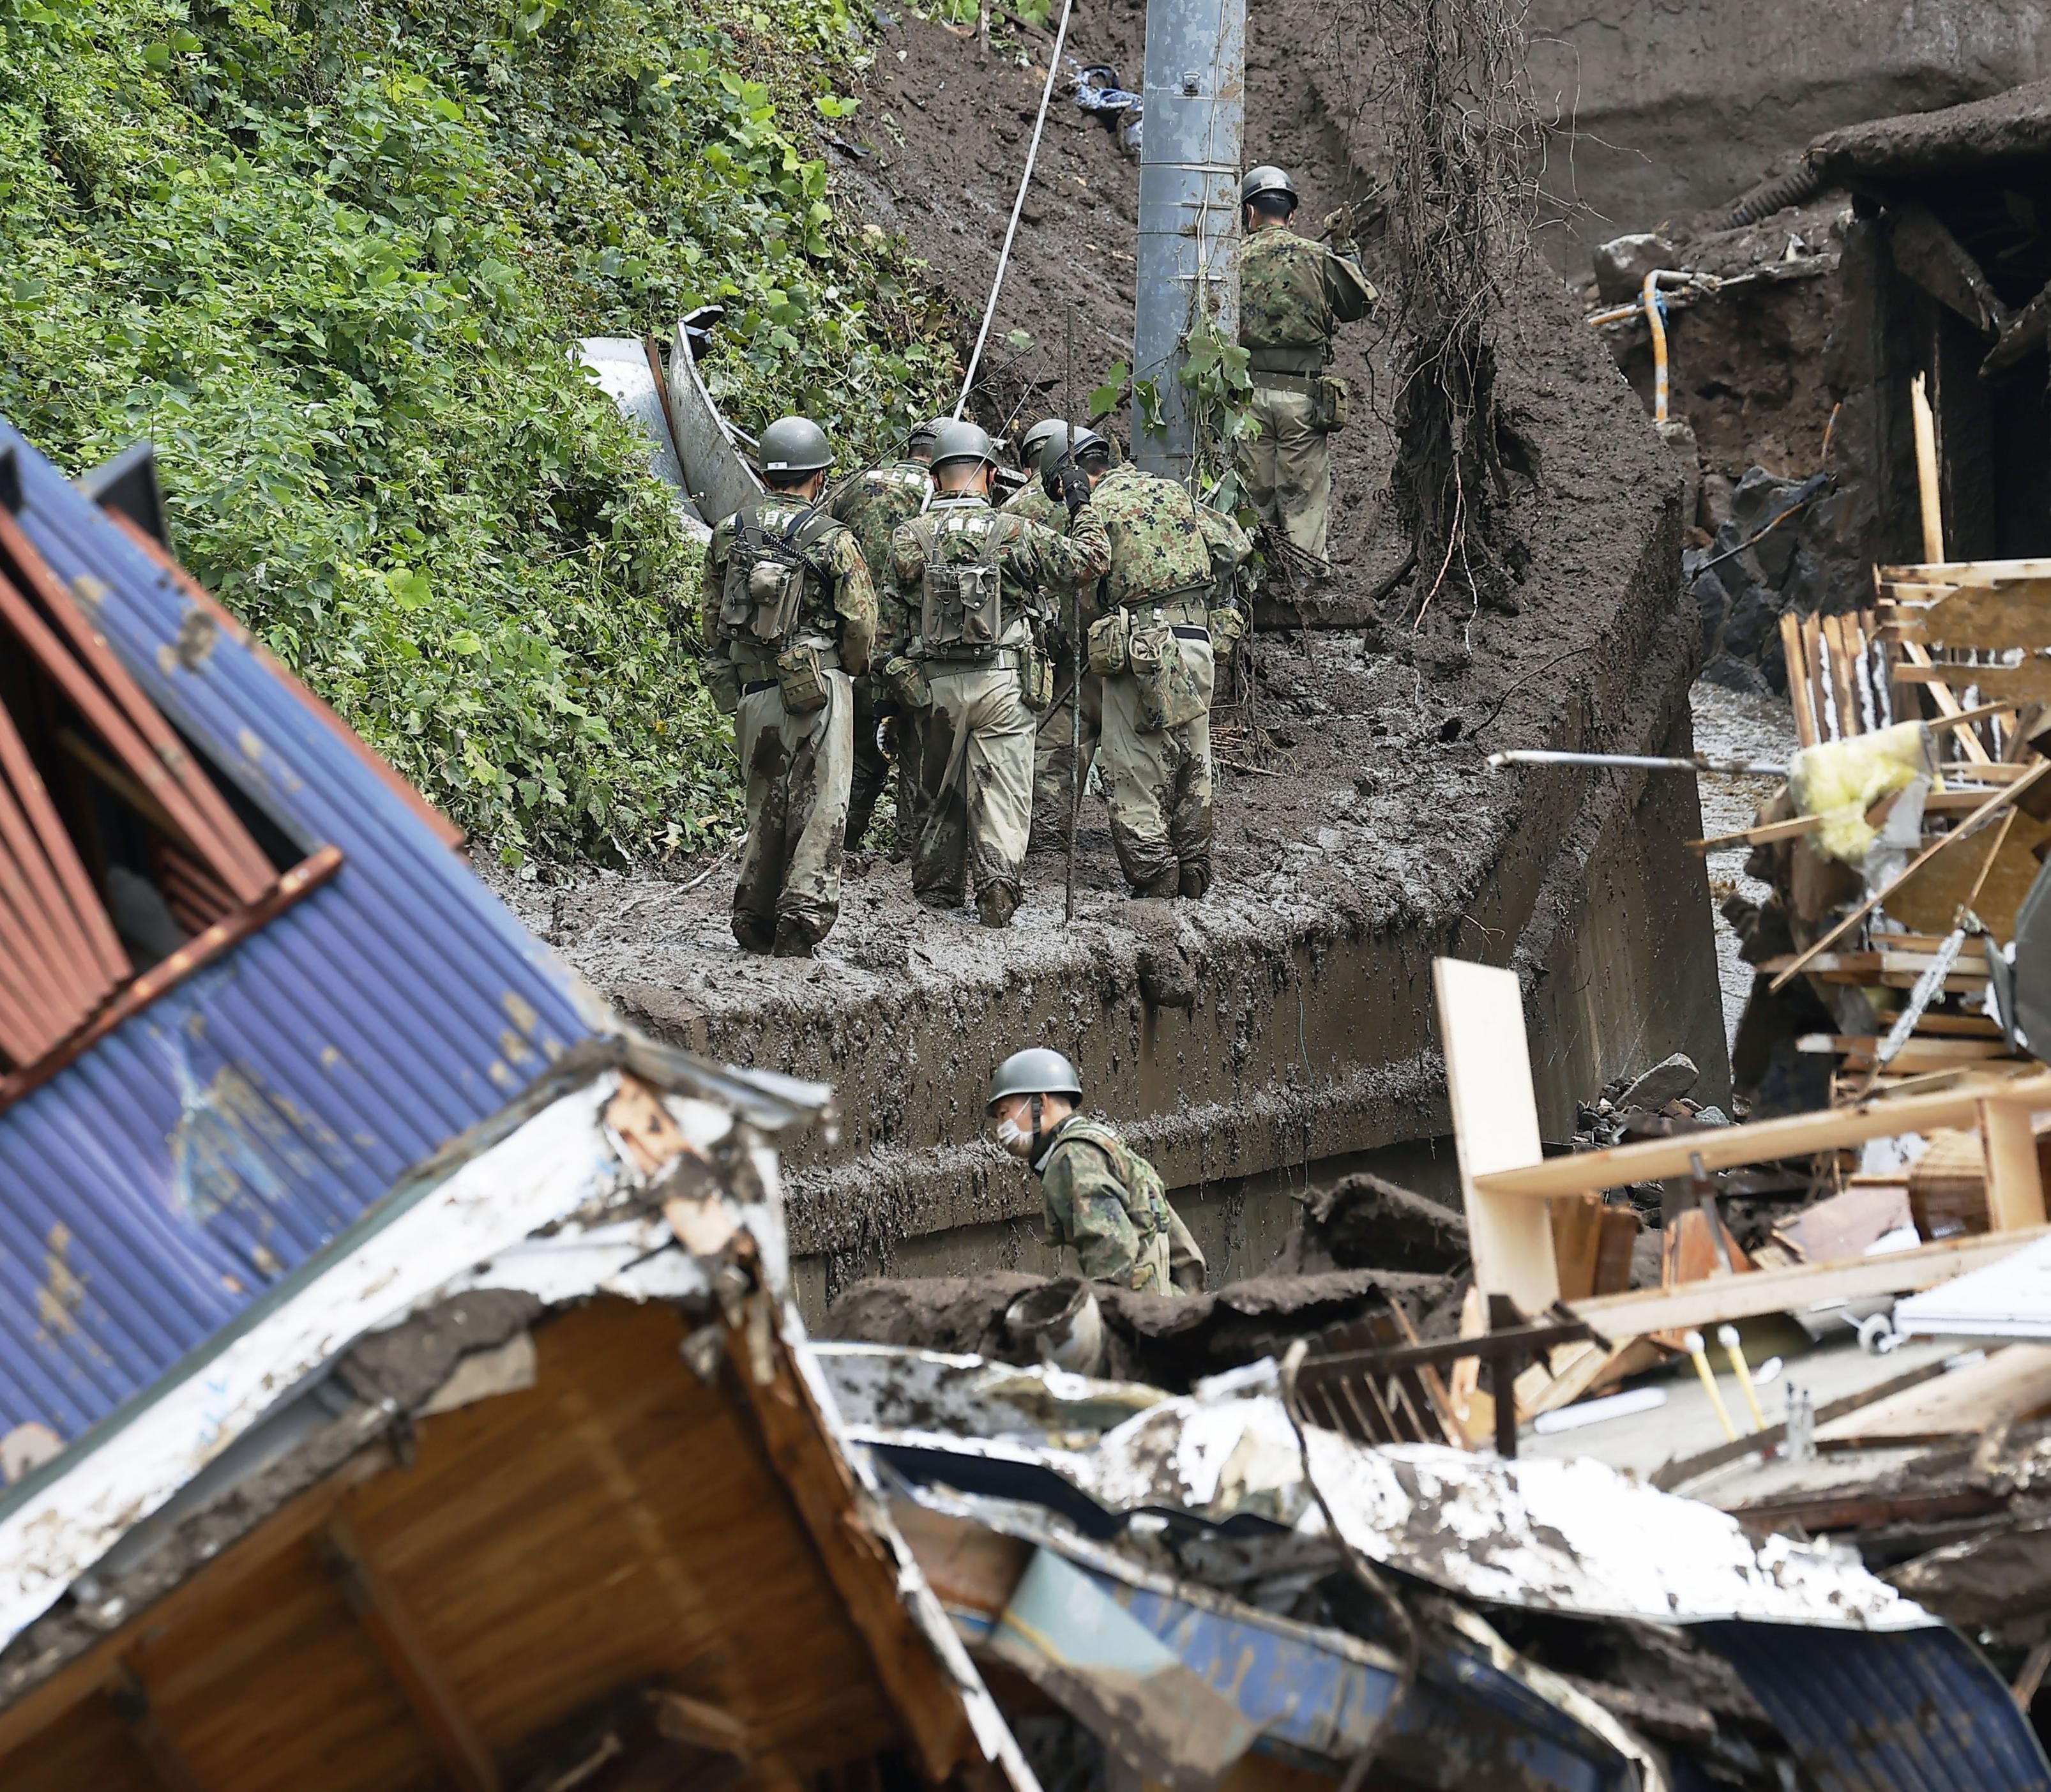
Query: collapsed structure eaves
x=2013 y=127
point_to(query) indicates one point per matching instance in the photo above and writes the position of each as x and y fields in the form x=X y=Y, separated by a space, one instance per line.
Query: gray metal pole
x=1189 y=142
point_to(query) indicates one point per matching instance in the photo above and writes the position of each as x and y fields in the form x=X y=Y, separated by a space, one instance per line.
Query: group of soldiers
x=903 y=616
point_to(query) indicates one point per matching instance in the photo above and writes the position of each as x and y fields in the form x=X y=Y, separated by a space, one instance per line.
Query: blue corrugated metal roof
x=1907 y=1710
x=220 y=1136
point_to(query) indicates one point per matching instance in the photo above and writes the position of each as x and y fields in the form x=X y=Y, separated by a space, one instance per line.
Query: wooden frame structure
x=1507 y=1184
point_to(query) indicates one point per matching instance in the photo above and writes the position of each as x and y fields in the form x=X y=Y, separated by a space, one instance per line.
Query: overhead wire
x=1017 y=206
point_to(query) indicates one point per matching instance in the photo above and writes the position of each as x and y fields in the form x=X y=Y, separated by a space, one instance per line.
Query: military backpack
x=962 y=587
x=766 y=572
x=1146 y=1194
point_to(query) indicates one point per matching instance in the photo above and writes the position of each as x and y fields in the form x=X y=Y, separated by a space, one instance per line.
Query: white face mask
x=1011 y=1135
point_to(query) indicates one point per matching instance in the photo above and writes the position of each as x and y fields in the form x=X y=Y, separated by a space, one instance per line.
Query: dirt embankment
x=1287 y=1018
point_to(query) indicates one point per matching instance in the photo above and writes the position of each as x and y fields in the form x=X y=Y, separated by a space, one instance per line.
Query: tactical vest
x=962 y=587
x=1145 y=1195
x=767 y=574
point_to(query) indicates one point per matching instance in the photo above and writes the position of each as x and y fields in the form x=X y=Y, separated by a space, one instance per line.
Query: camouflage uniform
x=795 y=767
x=976 y=747
x=1105 y=1199
x=1054 y=753
x=1168 y=555
x=872 y=505
x=1293 y=294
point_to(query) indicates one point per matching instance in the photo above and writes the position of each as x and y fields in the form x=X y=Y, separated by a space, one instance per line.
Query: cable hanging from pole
x=1017 y=205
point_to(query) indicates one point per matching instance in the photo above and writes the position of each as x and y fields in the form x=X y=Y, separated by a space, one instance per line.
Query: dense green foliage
x=334 y=256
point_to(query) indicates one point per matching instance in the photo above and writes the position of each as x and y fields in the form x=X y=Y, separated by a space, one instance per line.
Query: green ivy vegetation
x=333 y=256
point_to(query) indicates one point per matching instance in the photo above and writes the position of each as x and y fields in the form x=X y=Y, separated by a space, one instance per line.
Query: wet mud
x=1359 y=831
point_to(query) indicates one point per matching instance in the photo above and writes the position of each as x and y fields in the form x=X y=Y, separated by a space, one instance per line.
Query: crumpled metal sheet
x=1918 y=1713
x=1572 y=1537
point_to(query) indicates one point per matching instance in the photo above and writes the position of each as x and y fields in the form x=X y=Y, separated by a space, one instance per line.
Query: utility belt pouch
x=1226 y=625
x=1108 y=637
x=1036 y=679
x=722 y=682
x=1331 y=405
x=1167 y=695
x=964 y=607
x=800 y=683
x=907 y=680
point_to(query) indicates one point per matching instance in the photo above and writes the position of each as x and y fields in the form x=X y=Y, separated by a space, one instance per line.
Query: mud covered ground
x=1351 y=780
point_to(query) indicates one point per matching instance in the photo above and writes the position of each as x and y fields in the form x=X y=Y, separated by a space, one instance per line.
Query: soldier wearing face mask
x=1101 y=1197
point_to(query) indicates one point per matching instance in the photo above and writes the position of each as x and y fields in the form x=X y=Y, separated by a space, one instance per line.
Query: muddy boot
x=753 y=935
x=1168 y=883
x=1195 y=880
x=792 y=941
x=997 y=904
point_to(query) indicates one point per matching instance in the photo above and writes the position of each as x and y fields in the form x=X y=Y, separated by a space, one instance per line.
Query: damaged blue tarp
x=1097 y=91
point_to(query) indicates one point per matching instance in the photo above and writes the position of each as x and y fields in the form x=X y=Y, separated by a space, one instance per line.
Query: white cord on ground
x=1017 y=205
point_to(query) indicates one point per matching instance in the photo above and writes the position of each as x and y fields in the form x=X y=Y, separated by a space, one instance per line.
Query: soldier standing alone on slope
x=983 y=583
x=787 y=616
x=1293 y=294
x=1168 y=617
x=872 y=504
x=1100 y=1196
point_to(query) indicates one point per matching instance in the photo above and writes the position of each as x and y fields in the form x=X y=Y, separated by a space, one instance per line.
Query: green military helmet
x=1036 y=1071
x=1266 y=178
x=1033 y=445
x=924 y=435
x=794 y=444
x=958 y=441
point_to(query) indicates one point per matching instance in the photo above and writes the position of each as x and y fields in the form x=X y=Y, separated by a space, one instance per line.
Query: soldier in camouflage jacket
x=1172 y=560
x=1293 y=293
x=872 y=504
x=790 y=694
x=976 y=753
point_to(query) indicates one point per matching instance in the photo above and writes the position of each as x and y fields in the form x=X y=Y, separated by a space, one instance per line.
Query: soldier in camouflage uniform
x=787 y=617
x=979 y=665
x=1046 y=443
x=872 y=504
x=1169 y=614
x=1100 y=1196
x=1293 y=294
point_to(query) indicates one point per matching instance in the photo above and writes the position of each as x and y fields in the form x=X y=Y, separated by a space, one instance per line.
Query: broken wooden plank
x=1929 y=255
x=1762 y=1141
x=2028 y=681
x=1793 y=652
x=2007 y=1386
x=1762 y=835
x=1699 y=1304
x=1495 y=1125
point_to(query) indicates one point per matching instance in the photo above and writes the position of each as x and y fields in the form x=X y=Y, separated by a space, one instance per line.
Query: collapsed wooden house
x=399 y=1385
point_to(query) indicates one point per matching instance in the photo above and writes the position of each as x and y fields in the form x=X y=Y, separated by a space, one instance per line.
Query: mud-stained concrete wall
x=1667 y=110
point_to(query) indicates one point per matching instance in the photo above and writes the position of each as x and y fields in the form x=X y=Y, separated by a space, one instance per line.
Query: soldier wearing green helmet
x=872 y=504
x=983 y=585
x=787 y=616
x=1101 y=1197
x=1044 y=446
x=1293 y=294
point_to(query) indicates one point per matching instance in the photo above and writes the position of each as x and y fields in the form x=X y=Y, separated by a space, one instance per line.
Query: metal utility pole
x=1195 y=117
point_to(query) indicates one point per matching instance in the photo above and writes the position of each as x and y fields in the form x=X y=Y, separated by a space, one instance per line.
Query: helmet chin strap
x=1039 y=1135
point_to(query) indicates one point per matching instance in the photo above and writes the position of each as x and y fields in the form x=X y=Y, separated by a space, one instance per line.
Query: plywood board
x=2008 y=1385
x=1495 y=1127
x=1927 y=901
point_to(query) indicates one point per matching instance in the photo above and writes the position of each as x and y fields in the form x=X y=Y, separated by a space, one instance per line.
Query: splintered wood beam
x=389 y=1627
x=130 y=1701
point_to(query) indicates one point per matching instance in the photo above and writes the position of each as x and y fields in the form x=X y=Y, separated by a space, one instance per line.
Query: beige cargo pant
x=796 y=770
x=1287 y=468
x=1054 y=756
x=975 y=761
x=1158 y=784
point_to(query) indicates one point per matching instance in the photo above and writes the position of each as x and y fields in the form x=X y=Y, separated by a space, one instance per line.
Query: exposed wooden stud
x=1762 y=1141
x=1926 y=471
x=2015 y=1187
x=389 y=1628
x=130 y=1701
x=1495 y=1126
x=1695 y=1305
